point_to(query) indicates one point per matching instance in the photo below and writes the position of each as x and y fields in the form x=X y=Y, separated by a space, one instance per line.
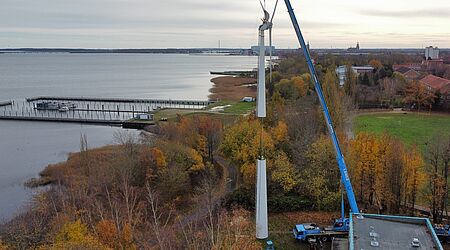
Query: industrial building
x=372 y=231
x=342 y=70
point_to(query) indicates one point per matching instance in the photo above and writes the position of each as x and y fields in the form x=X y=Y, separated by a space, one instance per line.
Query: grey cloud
x=426 y=13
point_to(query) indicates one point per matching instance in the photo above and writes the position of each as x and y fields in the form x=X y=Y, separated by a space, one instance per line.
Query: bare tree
x=128 y=140
x=157 y=214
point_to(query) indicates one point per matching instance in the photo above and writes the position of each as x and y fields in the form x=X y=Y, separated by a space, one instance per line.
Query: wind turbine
x=262 y=226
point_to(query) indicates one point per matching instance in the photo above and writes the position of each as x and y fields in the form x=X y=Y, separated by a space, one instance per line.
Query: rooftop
x=403 y=70
x=391 y=232
x=435 y=82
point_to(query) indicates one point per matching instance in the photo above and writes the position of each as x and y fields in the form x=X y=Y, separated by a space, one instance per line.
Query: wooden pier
x=98 y=118
x=6 y=103
x=106 y=111
x=64 y=119
x=123 y=100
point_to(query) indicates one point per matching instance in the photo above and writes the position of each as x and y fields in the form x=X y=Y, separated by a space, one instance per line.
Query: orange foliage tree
x=385 y=174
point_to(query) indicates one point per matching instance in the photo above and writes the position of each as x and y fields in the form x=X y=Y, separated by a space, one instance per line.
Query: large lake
x=28 y=147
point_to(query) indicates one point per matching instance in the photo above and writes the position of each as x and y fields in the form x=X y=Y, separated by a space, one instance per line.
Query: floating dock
x=250 y=73
x=61 y=119
x=123 y=100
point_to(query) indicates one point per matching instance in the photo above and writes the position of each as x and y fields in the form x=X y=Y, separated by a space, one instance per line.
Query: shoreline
x=231 y=88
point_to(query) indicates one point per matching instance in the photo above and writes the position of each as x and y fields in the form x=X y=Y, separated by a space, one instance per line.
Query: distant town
x=230 y=51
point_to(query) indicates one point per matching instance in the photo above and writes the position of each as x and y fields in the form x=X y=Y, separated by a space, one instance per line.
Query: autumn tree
x=107 y=233
x=418 y=96
x=292 y=88
x=276 y=77
x=211 y=129
x=335 y=98
x=413 y=176
x=350 y=85
x=75 y=235
x=438 y=159
x=376 y=64
x=385 y=174
x=321 y=178
x=241 y=144
x=152 y=159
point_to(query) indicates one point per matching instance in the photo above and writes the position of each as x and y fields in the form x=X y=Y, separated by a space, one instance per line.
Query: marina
x=106 y=111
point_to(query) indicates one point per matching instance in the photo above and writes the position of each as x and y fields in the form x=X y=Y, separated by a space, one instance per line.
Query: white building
x=431 y=53
x=342 y=70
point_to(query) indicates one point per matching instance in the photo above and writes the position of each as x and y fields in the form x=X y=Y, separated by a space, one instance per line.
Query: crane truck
x=442 y=232
x=341 y=226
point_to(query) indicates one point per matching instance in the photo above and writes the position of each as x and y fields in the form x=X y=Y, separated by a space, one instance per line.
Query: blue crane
x=339 y=157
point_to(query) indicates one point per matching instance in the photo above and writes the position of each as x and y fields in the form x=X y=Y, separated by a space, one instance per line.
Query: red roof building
x=434 y=82
x=414 y=66
x=409 y=73
x=438 y=84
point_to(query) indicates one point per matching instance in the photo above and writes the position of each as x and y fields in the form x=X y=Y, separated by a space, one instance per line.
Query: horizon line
x=199 y=48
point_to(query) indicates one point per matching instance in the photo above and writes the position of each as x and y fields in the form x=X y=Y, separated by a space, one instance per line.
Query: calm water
x=159 y=76
x=27 y=147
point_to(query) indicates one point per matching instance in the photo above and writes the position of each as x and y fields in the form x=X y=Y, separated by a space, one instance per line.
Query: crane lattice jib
x=339 y=157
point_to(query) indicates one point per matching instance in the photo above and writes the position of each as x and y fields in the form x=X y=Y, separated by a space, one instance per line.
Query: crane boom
x=339 y=157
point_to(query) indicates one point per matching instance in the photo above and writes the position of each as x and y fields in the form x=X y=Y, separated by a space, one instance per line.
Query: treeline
x=381 y=88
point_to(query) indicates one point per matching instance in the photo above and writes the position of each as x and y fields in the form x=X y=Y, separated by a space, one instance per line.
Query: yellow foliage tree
x=384 y=173
x=283 y=172
x=365 y=153
x=413 y=174
x=75 y=235
x=158 y=157
x=376 y=64
x=196 y=160
x=241 y=144
x=279 y=132
x=300 y=85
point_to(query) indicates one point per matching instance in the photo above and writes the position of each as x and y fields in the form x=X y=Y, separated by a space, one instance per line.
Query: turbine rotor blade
x=274 y=9
x=262 y=6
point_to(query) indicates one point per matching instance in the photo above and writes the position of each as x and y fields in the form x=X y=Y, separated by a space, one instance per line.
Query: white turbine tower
x=262 y=226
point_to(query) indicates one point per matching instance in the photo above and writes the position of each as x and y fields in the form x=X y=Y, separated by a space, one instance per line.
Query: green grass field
x=411 y=128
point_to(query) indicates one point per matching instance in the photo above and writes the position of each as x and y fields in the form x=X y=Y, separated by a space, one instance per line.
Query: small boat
x=52 y=105
x=63 y=109
x=47 y=106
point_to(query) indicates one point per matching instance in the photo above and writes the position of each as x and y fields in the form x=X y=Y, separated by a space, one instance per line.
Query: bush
x=288 y=203
x=245 y=198
x=241 y=197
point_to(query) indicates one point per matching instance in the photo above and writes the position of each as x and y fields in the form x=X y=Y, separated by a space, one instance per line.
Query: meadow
x=411 y=128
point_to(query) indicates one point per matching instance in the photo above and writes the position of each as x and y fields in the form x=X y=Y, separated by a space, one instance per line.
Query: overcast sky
x=202 y=23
